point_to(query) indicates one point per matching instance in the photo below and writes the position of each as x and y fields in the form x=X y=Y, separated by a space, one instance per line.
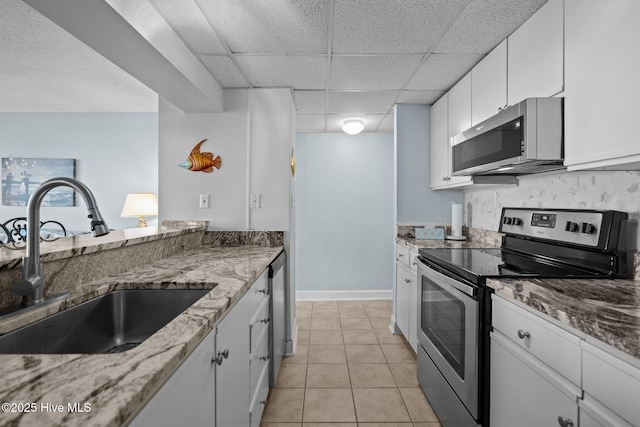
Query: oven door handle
x=438 y=277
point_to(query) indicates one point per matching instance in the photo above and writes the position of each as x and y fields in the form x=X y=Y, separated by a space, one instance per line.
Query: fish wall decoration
x=201 y=162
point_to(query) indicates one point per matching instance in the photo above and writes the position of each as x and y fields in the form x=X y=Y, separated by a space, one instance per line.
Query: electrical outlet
x=255 y=201
x=204 y=201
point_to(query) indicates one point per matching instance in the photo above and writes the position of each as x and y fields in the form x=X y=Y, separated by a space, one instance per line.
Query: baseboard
x=342 y=295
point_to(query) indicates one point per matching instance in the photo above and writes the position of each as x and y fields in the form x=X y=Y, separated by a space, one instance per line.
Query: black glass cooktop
x=478 y=264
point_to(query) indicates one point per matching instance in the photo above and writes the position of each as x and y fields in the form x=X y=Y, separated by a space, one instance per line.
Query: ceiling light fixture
x=353 y=127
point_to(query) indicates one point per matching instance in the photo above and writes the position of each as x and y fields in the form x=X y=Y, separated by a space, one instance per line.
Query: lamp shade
x=353 y=127
x=140 y=204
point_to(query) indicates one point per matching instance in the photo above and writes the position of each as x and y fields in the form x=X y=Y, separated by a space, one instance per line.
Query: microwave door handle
x=441 y=278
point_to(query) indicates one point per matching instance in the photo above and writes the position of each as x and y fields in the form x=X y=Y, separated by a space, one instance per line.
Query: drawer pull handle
x=220 y=357
x=415 y=263
x=523 y=334
x=400 y=255
x=407 y=280
x=263 y=402
x=263 y=291
x=565 y=422
x=265 y=321
x=264 y=358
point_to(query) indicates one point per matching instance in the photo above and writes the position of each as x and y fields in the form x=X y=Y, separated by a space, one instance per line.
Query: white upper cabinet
x=439 y=148
x=535 y=54
x=460 y=106
x=489 y=84
x=601 y=98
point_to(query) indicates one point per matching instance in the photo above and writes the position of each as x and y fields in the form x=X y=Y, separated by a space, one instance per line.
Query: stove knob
x=571 y=226
x=507 y=220
x=588 y=228
x=517 y=221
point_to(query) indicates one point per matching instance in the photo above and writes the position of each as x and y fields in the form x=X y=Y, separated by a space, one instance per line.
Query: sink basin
x=112 y=323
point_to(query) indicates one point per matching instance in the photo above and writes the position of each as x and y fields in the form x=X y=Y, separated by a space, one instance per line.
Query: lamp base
x=142 y=222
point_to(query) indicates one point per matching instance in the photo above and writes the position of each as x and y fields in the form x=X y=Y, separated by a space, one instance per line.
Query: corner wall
x=253 y=138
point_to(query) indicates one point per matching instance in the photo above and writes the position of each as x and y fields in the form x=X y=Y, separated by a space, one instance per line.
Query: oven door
x=448 y=331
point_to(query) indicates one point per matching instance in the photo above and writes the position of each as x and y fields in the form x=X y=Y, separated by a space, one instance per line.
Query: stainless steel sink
x=112 y=323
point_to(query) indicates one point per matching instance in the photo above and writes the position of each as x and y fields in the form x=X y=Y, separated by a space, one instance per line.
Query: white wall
x=344 y=211
x=117 y=153
x=568 y=190
x=417 y=204
x=253 y=138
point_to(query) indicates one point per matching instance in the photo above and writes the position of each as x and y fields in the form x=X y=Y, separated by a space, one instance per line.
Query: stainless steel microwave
x=522 y=139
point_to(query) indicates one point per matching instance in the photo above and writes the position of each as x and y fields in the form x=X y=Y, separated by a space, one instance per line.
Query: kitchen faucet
x=31 y=286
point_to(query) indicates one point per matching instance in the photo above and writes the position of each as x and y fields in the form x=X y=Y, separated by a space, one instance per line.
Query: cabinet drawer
x=613 y=382
x=259 y=325
x=260 y=398
x=402 y=254
x=554 y=346
x=594 y=414
x=413 y=261
x=259 y=292
x=259 y=360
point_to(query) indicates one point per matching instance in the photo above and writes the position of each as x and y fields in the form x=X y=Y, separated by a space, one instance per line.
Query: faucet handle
x=23 y=287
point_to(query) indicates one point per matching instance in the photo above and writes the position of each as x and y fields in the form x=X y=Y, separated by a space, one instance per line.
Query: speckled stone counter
x=118 y=385
x=605 y=310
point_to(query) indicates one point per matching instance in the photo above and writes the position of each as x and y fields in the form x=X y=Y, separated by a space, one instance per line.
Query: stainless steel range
x=455 y=311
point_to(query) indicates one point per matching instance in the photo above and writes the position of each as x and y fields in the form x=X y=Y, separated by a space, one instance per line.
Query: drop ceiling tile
x=383 y=26
x=191 y=25
x=224 y=71
x=427 y=97
x=361 y=102
x=441 y=71
x=372 y=72
x=371 y=121
x=386 y=124
x=309 y=101
x=309 y=122
x=270 y=26
x=299 y=72
x=485 y=23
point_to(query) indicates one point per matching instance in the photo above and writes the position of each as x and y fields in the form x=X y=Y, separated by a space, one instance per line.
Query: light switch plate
x=255 y=201
x=204 y=201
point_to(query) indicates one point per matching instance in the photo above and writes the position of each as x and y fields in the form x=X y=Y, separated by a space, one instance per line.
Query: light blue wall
x=344 y=211
x=116 y=153
x=417 y=203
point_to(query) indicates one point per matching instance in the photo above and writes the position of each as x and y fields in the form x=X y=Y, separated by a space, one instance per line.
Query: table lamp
x=139 y=205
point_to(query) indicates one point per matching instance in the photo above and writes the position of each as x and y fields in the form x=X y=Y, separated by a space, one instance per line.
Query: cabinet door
x=459 y=120
x=403 y=296
x=489 y=84
x=601 y=98
x=232 y=374
x=188 y=395
x=536 y=55
x=440 y=143
x=524 y=392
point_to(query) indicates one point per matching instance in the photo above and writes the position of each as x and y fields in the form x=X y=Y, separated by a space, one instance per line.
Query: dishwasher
x=277 y=314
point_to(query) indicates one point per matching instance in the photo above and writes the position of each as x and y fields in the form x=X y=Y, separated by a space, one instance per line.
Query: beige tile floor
x=349 y=371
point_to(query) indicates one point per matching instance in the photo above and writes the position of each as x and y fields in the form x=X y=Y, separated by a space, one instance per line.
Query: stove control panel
x=569 y=226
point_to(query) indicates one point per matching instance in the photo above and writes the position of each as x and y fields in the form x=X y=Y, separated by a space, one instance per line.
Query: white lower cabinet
x=526 y=392
x=544 y=375
x=190 y=394
x=232 y=375
x=407 y=295
x=225 y=381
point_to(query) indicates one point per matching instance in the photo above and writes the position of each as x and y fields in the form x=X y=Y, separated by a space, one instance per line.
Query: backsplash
x=249 y=237
x=617 y=190
x=568 y=190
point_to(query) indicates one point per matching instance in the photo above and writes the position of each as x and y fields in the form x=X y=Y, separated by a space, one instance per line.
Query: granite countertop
x=606 y=311
x=118 y=385
x=11 y=254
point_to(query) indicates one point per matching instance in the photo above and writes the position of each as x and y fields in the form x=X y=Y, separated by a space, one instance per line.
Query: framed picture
x=22 y=175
